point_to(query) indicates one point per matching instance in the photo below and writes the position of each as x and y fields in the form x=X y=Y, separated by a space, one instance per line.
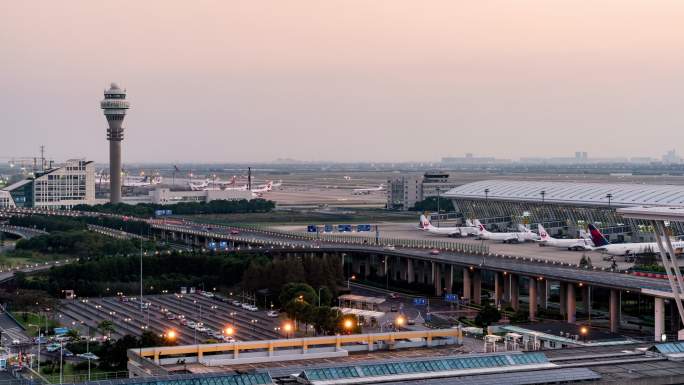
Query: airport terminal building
x=564 y=207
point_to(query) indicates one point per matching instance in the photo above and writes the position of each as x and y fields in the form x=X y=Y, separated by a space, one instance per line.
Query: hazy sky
x=373 y=80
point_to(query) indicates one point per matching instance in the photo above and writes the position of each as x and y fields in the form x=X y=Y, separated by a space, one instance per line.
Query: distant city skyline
x=344 y=81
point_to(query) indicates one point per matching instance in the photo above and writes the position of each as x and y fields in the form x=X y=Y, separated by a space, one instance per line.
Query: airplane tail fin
x=479 y=226
x=596 y=236
x=468 y=223
x=543 y=235
x=424 y=222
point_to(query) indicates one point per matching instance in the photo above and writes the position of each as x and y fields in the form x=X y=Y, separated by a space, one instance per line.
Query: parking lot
x=194 y=317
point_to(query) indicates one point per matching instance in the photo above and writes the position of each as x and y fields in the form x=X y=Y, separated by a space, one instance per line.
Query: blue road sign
x=223 y=245
x=212 y=245
x=328 y=228
x=344 y=228
x=311 y=229
x=420 y=301
x=451 y=298
x=60 y=331
x=360 y=228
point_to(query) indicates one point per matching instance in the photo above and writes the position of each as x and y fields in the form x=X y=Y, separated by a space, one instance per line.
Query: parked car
x=272 y=314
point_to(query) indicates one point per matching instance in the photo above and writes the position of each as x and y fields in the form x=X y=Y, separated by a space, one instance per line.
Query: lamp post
x=543 y=194
x=486 y=191
x=609 y=196
x=438 y=216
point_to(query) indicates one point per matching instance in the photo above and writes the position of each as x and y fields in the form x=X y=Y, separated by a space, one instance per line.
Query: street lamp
x=486 y=191
x=543 y=194
x=288 y=328
x=609 y=196
x=584 y=331
x=400 y=321
x=353 y=277
x=348 y=325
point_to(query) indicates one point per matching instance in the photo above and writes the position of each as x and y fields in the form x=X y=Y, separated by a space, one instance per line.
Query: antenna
x=42 y=157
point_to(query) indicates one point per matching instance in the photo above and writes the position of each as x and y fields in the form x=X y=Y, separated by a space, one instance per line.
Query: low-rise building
x=166 y=196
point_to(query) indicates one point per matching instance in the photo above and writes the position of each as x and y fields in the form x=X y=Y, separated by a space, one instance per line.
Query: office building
x=404 y=191
x=59 y=187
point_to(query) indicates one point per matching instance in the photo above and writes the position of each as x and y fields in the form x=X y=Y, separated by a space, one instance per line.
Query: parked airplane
x=463 y=231
x=263 y=188
x=508 y=237
x=602 y=244
x=366 y=191
x=570 y=244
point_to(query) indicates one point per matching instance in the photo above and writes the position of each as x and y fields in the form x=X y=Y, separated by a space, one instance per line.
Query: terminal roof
x=591 y=194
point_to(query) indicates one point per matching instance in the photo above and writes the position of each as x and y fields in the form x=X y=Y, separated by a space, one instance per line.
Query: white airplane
x=509 y=237
x=570 y=244
x=464 y=231
x=366 y=191
x=263 y=188
x=603 y=245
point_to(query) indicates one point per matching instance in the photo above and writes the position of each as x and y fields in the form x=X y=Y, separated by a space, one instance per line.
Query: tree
x=299 y=291
x=487 y=316
x=106 y=327
x=73 y=334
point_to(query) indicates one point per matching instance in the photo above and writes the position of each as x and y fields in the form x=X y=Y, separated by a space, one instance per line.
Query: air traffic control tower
x=115 y=105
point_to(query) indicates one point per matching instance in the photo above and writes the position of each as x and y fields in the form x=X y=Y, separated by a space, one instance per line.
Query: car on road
x=236 y=303
x=393 y=295
x=234 y=232
x=389 y=247
x=201 y=329
x=272 y=314
x=53 y=347
x=191 y=324
x=170 y=316
x=184 y=322
x=208 y=294
x=89 y=356
x=434 y=252
x=228 y=339
x=16 y=342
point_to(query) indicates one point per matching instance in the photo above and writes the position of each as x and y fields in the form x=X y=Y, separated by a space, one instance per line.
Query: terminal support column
x=477 y=287
x=659 y=317
x=571 y=312
x=533 y=298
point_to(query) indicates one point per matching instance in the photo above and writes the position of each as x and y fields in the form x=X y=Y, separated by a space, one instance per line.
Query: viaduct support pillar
x=533 y=298
x=437 y=278
x=659 y=318
x=542 y=285
x=515 y=292
x=571 y=312
x=477 y=287
x=498 y=288
x=410 y=274
x=586 y=300
x=467 y=294
x=614 y=305
x=562 y=299
x=449 y=279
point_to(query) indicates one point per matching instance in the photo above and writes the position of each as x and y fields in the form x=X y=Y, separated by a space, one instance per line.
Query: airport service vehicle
x=603 y=245
x=509 y=237
x=571 y=244
x=367 y=191
x=272 y=314
x=462 y=231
